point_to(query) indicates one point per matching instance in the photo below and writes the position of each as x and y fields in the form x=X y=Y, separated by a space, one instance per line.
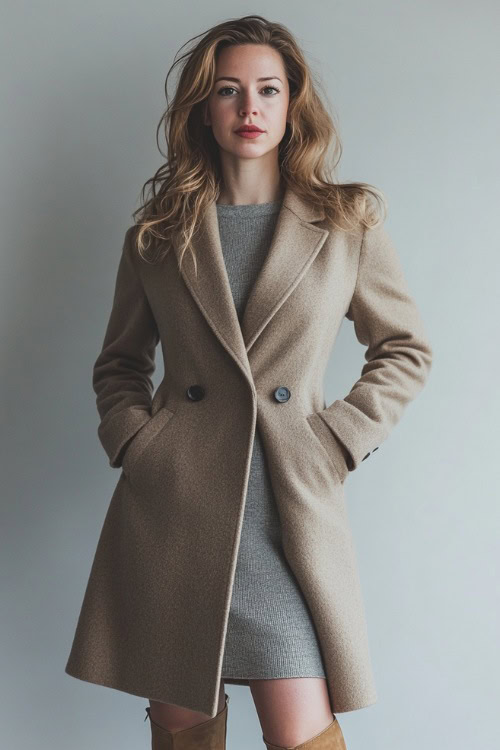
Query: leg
x=174 y=718
x=291 y=710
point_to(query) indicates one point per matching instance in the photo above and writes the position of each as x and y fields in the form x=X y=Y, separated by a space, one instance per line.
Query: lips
x=249 y=132
x=249 y=129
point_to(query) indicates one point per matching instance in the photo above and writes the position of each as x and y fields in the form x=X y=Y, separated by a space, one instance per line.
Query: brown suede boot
x=209 y=735
x=330 y=738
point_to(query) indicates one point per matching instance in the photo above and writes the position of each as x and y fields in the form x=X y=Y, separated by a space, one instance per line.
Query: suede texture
x=207 y=735
x=330 y=738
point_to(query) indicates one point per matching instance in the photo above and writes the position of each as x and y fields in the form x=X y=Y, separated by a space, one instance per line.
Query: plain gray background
x=415 y=88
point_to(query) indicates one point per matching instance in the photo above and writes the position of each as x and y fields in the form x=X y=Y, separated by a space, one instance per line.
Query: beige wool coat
x=155 y=610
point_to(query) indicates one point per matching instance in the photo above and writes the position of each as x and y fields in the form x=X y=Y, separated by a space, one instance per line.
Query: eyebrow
x=237 y=80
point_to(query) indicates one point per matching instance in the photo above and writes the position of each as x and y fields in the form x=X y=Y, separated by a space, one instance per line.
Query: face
x=243 y=99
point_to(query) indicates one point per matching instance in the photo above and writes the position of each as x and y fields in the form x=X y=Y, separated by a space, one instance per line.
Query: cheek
x=277 y=111
x=221 y=116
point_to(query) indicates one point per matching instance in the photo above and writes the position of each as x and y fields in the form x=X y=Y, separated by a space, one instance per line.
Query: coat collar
x=295 y=244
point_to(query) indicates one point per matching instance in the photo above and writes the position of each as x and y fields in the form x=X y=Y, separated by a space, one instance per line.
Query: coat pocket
x=142 y=443
x=329 y=444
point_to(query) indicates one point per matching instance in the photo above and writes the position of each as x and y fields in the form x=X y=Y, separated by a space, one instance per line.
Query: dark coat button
x=195 y=392
x=365 y=456
x=375 y=449
x=282 y=393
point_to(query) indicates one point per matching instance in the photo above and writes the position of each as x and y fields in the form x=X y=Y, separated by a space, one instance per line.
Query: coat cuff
x=117 y=430
x=353 y=429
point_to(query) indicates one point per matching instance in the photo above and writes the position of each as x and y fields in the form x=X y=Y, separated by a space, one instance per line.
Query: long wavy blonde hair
x=182 y=188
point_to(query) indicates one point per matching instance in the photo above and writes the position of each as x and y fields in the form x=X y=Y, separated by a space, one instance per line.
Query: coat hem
x=122 y=687
x=110 y=683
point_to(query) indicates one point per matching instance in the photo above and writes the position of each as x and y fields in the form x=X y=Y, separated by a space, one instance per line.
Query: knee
x=291 y=710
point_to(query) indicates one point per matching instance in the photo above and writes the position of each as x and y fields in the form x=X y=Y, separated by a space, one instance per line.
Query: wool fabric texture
x=270 y=630
x=154 y=616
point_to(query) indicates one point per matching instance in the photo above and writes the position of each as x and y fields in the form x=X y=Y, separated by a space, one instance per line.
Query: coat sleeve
x=398 y=354
x=122 y=372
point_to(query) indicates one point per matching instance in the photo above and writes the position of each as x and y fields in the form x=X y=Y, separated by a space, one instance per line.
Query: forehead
x=249 y=61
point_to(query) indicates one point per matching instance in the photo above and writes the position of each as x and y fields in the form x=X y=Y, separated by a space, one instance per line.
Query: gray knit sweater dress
x=270 y=631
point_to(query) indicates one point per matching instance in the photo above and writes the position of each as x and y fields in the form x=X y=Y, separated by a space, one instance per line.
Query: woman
x=226 y=554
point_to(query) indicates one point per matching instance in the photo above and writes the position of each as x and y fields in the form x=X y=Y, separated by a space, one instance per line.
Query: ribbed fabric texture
x=270 y=630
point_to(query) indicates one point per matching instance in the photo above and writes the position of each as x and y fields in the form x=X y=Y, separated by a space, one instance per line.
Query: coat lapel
x=295 y=244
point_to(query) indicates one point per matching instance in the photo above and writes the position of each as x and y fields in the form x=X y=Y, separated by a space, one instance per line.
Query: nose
x=247 y=106
x=246 y=111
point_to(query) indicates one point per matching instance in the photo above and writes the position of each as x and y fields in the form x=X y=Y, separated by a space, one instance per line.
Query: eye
x=272 y=87
x=231 y=88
